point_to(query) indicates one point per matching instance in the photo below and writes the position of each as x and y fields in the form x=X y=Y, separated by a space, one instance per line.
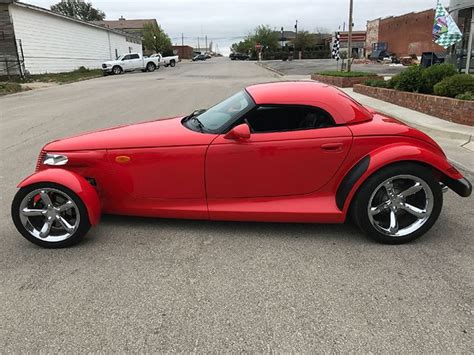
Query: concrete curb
x=269 y=68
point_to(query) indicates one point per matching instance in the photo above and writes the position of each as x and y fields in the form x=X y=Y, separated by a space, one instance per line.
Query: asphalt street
x=139 y=284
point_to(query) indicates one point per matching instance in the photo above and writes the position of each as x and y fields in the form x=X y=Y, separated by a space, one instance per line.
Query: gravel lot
x=138 y=284
x=310 y=66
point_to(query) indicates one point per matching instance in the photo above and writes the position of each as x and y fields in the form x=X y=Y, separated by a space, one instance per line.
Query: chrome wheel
x=49 y=215
x=400 y=205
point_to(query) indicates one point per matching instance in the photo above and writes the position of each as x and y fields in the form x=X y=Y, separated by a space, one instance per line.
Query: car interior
x=287 y=118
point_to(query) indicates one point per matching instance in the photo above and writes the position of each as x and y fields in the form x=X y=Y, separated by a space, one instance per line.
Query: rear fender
x=391 y=154
x=74 y=182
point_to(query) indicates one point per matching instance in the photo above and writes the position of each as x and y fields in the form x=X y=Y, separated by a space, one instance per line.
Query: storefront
x=462 y=53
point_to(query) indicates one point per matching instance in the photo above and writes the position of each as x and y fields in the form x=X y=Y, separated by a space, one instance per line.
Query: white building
x=40 y=41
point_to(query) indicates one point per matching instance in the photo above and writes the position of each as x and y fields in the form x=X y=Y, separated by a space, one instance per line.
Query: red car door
x=282 y=157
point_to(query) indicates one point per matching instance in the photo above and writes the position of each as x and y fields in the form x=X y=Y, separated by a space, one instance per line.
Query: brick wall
x=342 y=82
x=372 y=35
x=409 y=34
x=459 y=111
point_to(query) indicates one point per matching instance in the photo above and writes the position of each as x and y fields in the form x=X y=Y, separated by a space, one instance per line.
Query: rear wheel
x=398 y=204
x=50 y=215
x=172 y=63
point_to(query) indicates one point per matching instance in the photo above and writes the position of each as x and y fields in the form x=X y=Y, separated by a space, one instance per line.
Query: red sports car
x=277 y=152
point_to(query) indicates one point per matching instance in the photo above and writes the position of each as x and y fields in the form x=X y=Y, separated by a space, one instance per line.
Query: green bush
x=352 y=74
x=393 y=82
x=469 y=96
x=411 y=79
x=434 y=74
x=376 y=83
x=455 y=85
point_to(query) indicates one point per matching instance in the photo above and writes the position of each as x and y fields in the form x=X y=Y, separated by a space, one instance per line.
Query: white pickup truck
x=130 y=62
x=166 y=61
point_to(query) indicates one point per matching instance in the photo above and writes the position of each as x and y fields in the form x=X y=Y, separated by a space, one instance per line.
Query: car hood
x=159 y=133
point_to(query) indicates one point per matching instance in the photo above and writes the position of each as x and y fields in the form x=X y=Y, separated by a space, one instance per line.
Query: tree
x=78 y=9
x=305 y=40
x=263 y=35
x=244 y=46
x=155 y=39
x=266 y=36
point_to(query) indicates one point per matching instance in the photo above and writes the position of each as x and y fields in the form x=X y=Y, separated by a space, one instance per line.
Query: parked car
x=199 y=57
x=166 y=61
x=380 y=55
x=239 y=56
x=276 y=152
x=130 y=62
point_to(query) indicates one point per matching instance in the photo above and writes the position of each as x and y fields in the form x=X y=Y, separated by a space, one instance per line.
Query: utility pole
x=182 y=38
x=470 y=44
x=199 y=46
x=206 y=43
x=349 y=41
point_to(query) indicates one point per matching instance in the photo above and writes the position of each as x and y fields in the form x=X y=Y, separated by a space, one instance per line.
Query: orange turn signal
x=122 y=159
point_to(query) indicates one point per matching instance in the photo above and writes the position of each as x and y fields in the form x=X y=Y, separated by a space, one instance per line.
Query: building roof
x=49 y=12
x=123 y=24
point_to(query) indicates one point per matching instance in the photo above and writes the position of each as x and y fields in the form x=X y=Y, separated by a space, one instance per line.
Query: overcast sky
x=227 y=21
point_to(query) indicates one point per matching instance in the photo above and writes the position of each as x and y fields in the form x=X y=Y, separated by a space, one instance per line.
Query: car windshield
x=219 y=115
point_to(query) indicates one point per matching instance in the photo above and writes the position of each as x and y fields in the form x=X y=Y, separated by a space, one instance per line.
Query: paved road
x=310 y=66
x=139 y=284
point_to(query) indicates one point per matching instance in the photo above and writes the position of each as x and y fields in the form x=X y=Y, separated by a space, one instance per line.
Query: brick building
x=184 y=52
x=403 y=35
x=131 y=26
x=358 y=43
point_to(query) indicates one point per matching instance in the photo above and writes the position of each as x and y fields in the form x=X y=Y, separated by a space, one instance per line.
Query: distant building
x=403 y=35
x=37 y=40
x=130 y=26
x=184 y=52
x=357 y=44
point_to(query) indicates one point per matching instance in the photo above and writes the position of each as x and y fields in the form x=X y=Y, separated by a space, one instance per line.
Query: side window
x=127 y=57
x=288 y=118
x=134 y=56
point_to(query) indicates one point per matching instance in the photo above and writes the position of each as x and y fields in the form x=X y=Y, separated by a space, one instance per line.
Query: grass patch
x=352 y=74
x=67 y=77
x=10 y=88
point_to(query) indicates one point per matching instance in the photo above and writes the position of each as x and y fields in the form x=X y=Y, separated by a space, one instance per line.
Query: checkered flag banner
x=445 y=31
x=336 y=46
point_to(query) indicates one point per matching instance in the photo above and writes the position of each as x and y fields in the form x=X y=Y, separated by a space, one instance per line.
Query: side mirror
x=239 y=132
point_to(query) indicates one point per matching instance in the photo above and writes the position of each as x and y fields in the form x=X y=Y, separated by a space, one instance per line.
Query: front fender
x=391 y=154
x=74 y=182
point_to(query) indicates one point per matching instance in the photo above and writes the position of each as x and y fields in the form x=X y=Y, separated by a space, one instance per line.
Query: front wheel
x=398 y=203
x=50 y=215
x=150 y=67
x=117 y=70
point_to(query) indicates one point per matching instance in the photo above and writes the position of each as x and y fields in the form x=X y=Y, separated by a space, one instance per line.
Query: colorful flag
x=336 y=46
x=445 y=31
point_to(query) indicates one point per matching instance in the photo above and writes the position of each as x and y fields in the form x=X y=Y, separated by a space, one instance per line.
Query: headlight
x=55 y=159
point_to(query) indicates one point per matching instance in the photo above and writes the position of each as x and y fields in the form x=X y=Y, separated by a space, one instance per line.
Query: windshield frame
x=227 y=125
